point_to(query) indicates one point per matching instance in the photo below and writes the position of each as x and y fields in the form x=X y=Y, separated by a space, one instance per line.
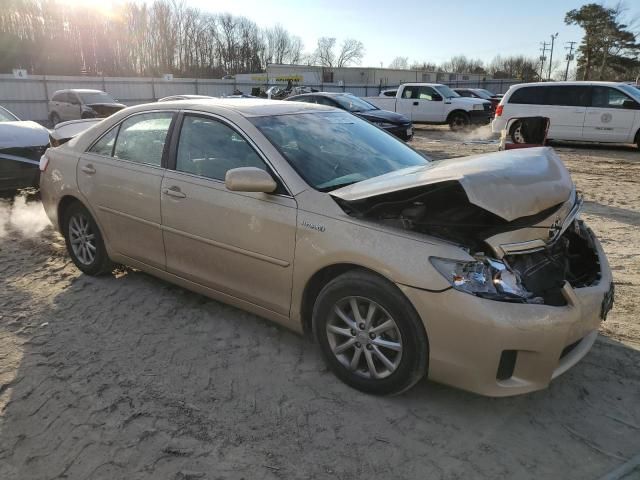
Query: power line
x=569 y=58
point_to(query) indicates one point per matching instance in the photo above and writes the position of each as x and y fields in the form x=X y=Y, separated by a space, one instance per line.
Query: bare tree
x=323 y=54
x=400 y=63
x=351 y=52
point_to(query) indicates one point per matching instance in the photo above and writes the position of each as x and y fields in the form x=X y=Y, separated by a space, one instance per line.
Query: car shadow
x=129 y=376
x=623 y=215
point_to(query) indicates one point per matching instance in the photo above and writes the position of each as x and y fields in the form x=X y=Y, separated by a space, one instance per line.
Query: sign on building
x=167 y=77
x=19 y=73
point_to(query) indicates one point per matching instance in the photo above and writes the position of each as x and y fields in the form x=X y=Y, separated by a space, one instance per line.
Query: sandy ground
x=129 y=377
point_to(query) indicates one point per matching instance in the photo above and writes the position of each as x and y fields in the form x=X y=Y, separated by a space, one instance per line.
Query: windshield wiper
x=337 y=186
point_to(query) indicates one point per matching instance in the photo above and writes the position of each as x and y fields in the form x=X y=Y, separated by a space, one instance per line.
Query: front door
x=237 y=243
x=121 y=175
x=607 y=119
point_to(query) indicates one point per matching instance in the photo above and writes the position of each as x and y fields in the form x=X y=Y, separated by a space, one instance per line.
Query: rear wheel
x=84 y=241
x=369 y=334
x=459 y=121
x=516 y=133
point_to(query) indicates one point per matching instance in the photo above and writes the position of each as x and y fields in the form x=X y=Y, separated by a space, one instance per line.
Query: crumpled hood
x=23 y=134
x=511 y=184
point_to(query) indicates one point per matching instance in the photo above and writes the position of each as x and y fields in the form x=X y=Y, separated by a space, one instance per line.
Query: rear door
x=566 y=106
x=607 y=119
x=120 y=175
x=238 y=243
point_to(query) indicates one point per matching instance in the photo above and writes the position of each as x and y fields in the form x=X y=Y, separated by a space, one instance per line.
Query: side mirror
x=436 y=98
x=249 y=179
x=629 y=104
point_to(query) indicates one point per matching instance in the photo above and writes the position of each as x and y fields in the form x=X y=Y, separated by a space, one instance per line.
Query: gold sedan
x=474 y=271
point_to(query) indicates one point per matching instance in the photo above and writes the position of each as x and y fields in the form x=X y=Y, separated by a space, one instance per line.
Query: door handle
x=416 y=103
x=88 y=169
x=174 y=192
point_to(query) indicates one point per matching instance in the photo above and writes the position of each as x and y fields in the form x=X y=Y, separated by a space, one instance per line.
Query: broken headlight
x=483 y=277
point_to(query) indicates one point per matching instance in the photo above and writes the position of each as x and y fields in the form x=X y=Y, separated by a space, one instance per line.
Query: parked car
x=436 y=104
x=22 y=143
x=388 y=93
x=580 y=111
x=172 y=98
x=392 y=122
x=81 y=103
x=474 y=271
x=65 y=131
x=480 y=93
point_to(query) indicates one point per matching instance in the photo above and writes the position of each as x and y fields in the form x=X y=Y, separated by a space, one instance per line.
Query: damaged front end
x=525 y=248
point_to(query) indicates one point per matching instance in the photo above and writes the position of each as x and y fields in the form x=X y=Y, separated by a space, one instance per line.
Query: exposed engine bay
x=443 y=210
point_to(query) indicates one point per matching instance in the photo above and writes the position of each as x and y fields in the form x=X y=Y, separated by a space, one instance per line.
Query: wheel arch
x=457 y=110
x=63 y=205
x=322 y=277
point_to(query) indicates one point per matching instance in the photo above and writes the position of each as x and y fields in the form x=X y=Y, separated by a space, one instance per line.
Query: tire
x=516 y=133
x=459 y=121
x=84 y=241
x=351 y=347
x=55 y=119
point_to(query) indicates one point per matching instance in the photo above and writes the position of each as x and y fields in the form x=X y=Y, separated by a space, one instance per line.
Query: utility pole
x=543 y=51
x=553 y=39
x=569 y=58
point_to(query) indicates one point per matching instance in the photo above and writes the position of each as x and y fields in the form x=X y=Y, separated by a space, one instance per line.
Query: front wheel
x=459 y=121
x=84 y=241
x=369 y=334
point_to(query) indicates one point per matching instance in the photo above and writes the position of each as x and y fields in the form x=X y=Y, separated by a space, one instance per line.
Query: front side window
x=330 y=150
x=426 y=93
x=96 y=97
x=142 y=138
x=104 y=146
x=607 y=97
x=210 y=148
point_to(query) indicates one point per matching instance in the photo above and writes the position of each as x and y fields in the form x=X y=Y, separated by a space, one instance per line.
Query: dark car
x=81 y=103
x=22 y=143
x=392 y=122
x=481 y=93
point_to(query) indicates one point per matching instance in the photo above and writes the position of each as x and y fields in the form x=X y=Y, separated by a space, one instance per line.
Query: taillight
x=44 y=162
x=499 y=110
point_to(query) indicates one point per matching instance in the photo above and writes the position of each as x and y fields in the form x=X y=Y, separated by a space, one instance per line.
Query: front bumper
x=480 y=117
x=402 y=131
x=468 y=336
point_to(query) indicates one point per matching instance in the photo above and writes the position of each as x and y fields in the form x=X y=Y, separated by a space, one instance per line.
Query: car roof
x=569 y=83
x=247 y=107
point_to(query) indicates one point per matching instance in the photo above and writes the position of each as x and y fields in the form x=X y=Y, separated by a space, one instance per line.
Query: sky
x=423 y=30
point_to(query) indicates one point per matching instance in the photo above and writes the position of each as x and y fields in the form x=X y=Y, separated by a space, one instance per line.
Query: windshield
x=7 y=116
x=96 y=97
x=630 y=90
x=352 y=103
x=334 y=149
x=486 y=92
x=482 y=93
x=446 y=92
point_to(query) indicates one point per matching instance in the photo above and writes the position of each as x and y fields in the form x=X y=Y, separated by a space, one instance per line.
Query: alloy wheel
x=364 y=338
x=82 y=239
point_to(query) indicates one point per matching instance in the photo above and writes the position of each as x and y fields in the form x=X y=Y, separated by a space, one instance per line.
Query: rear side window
x=210 y=148
x=142 y=137
x=607 y=97
x=104 y=146
x=529 y=96
x=568 y=95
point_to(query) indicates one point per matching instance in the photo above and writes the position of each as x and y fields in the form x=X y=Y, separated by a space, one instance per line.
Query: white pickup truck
x=435 y=103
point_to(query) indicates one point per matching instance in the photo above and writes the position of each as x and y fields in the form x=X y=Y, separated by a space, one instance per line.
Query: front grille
x=507 y=364
x=487 y=107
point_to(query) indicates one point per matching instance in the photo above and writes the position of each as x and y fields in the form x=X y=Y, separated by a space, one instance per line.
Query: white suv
x=582 y=111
